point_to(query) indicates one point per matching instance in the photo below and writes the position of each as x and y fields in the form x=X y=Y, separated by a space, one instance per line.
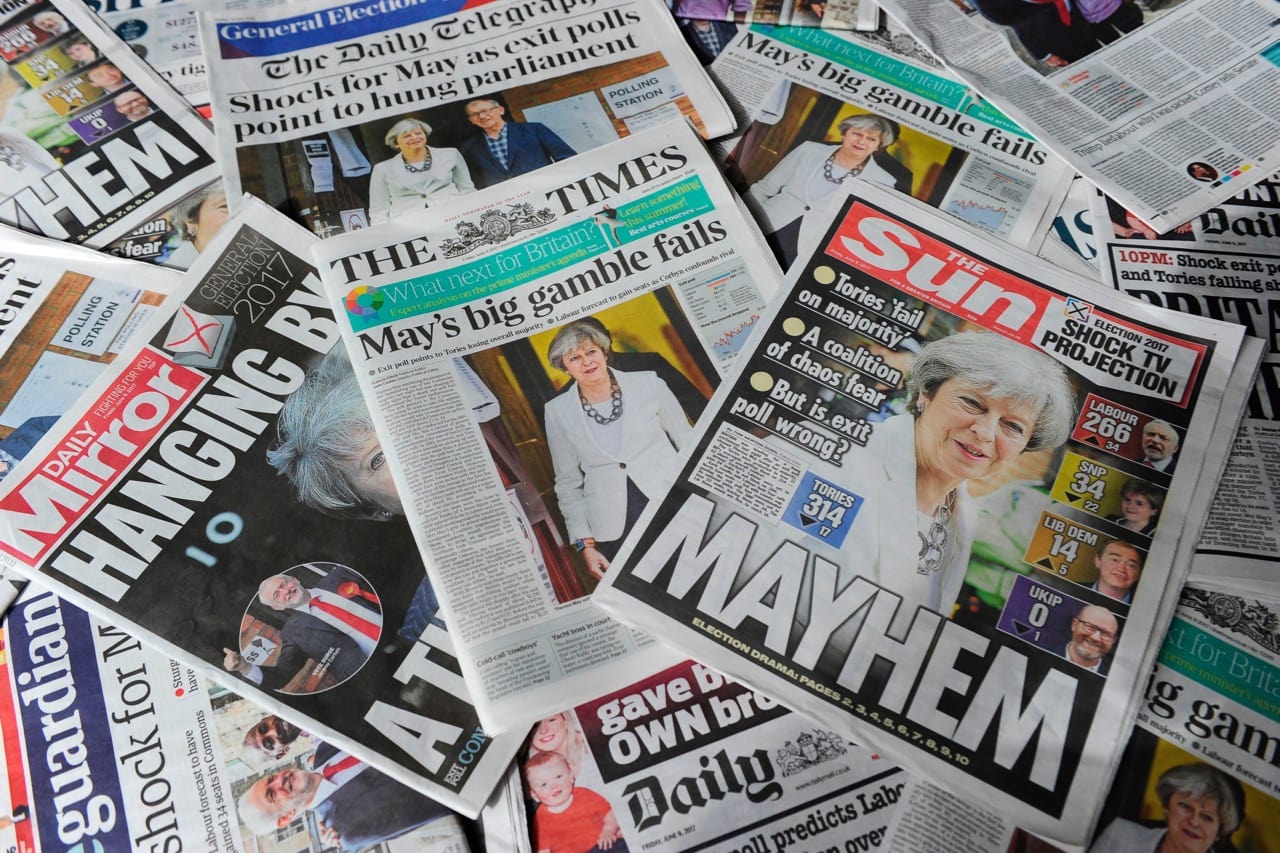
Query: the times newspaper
x=1169 y=107
x=322 y=111
x=688 y=759
x=814 y=106
x=723 y=16
x=904 y=514
x=110 y=745
x=519 y=488
x=1224 y=264
x=93 y=144
x=191 y=499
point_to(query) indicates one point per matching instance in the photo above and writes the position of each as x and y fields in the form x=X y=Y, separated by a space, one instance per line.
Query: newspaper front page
x=191 y=499
x=691 y=760
x=519 y=488
x=834 y=15
x=902 y=517
x=92 y=142
x=110 y=745
x=816 y=107
x=1169 y=107
x=352 y=114
x=1223 y=264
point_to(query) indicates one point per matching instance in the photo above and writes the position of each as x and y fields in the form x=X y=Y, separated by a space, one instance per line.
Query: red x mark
x=196 y=334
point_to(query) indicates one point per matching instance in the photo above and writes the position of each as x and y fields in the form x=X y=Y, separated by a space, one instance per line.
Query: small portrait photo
x=1201 y=171
x=590 y=419
x=1081 y=633
x=308 y=629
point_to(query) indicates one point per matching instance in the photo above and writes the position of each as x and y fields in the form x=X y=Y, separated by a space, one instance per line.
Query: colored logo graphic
x=364 y=301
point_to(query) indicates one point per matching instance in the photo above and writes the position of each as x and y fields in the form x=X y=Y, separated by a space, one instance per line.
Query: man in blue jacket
x=505 y=149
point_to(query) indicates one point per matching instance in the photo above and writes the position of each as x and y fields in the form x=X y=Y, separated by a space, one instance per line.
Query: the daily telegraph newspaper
x=1208 y=730
x=1224 y=264
x=188 y=499
x=1169 y=107
x=688 y=759
x=534 y=360
x=903 y=516
x=817 y=108
x=92 y=142
x=109 y=745
x=350 y=114
x=724 y=15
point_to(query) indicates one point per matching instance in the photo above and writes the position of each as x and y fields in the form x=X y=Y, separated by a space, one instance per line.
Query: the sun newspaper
x=317 y=110
x=643 y=250
x=93 y=143
x=902 y=516
x=189 y=498
x=688 y=759
x=1169 y=106
x=803 y=94
x=110 y=745
x=1225 y=264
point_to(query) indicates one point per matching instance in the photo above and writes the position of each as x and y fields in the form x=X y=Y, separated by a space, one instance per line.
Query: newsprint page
x=1169 y=107
x=935 y=566
x=345 y=115
x=1224 y=264
x=185 y=501
x=632 y=272
x=804 y=95
x=93 y=144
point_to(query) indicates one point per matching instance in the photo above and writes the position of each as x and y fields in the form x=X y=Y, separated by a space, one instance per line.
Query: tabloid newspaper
x=110 y=745
x=1168 y=105
x=1225 y=264
x=186 y=499
x=816 y=107
x=837 y=15
x=902 y=517
x=93 y=144
x=691 y=760
x=322 y=112
x=518 y=488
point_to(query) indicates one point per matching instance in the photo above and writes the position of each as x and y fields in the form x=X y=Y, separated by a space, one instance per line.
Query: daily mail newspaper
x=901 y=517
x=570 y=328
x=188 y=500
x=92 y=142
x=1223 y=264
x=110 y=745
x=691 y=760
x=817 y=108
x=350 y=114
x=1169 y=107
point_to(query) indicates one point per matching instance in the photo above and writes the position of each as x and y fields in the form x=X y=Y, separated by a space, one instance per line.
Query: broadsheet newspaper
x=322 y=112
x=816 y=107
x=1168 y=111
x=901 y=518
x=519 y=488
x=187 y=500
x=110 y=745
x=93 y=144
x=1223 y=264
x=691 y=760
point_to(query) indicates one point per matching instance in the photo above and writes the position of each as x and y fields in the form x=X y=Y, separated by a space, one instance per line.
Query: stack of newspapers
x=570 y=425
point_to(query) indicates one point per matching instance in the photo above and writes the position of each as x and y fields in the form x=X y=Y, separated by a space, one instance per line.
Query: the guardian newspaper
x=190 y=497
x=351 y=114
x=905 y=514
x=1169 y=107
x=570 y=328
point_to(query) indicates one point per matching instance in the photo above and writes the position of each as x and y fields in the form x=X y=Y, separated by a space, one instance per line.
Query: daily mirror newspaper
x=92 y=142
x=110 y=745
x=1169 y=107
x=1224 y=264
x=902 y=516
x=189 y=498
x=818 y=109
x=350 y=114
x=570 y=328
